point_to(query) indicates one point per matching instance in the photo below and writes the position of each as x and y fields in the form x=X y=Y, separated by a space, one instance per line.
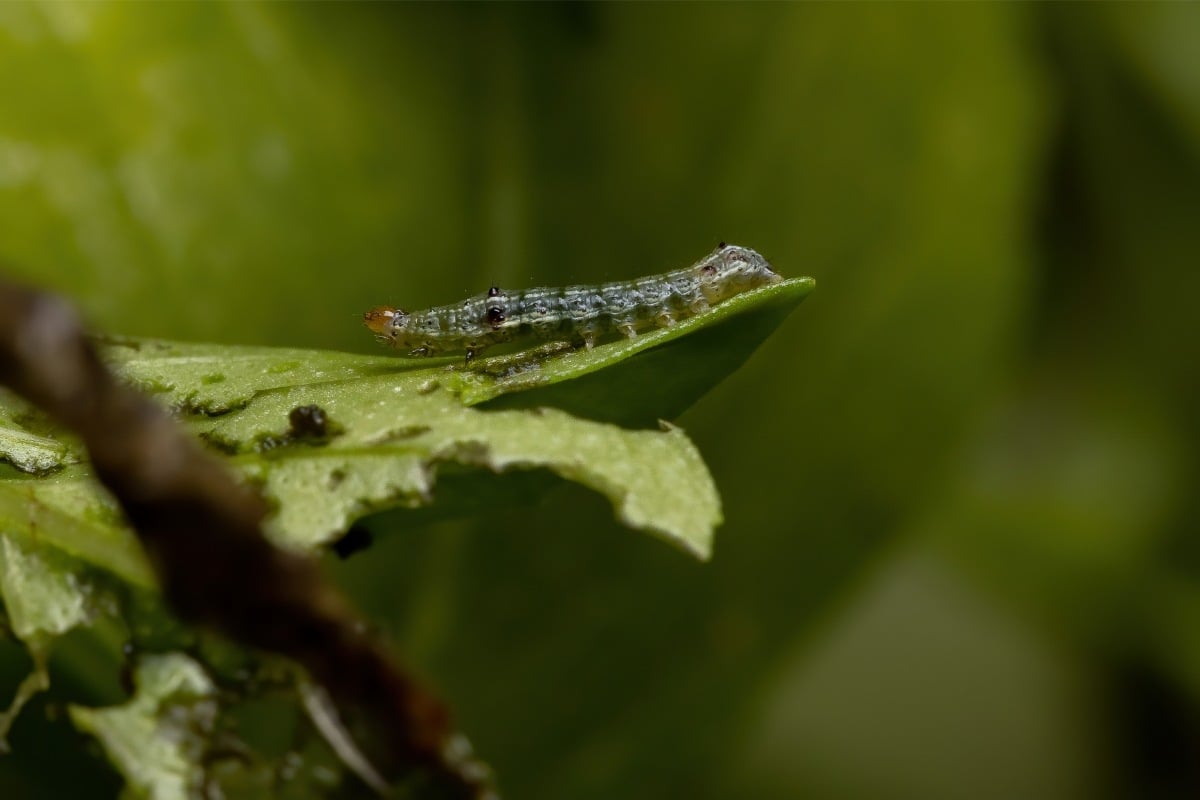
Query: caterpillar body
x=579 y=314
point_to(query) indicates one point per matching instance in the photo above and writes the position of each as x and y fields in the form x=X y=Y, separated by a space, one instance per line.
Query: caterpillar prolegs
x=582 y=314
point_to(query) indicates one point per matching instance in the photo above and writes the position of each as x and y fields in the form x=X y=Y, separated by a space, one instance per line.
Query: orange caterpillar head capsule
x=383 y=321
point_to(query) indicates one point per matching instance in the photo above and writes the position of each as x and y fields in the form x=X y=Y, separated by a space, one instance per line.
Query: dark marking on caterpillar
x=578 y=314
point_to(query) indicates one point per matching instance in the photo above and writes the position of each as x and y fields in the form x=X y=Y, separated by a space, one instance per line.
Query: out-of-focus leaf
x=28 y=450
x=157 y=739
x=45 y=595
x=71 y=514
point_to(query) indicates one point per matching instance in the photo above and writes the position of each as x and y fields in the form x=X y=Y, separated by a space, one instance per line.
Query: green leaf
x=213 y=379
x=24 y=439
x=44 y=596
x=655 y=479
x=393 y=423
x=158 y=738
x=72 y=514
x=391 y=433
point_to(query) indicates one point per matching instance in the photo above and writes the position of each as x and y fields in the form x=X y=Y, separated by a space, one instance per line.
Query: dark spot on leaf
x=215 y=377
x=309 y=421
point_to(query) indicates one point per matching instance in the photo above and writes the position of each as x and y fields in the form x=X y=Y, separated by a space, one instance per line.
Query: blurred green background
x=960 y=556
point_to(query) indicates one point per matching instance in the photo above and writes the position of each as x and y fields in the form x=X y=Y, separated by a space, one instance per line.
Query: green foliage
x=378 y=433
x=158 y=738
x=959 y=554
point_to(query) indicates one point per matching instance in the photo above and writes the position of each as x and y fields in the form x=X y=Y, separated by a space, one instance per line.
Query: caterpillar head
x=386 y=323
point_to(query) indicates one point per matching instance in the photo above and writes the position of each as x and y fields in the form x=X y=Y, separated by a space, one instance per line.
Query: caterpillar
x=578 y=314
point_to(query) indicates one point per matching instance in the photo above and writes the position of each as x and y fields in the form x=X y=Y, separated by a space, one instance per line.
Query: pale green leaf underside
x=44 y=595
x=157 y=738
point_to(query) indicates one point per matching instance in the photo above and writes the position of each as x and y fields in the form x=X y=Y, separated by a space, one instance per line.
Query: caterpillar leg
x=474 y=349
x=588 y=334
